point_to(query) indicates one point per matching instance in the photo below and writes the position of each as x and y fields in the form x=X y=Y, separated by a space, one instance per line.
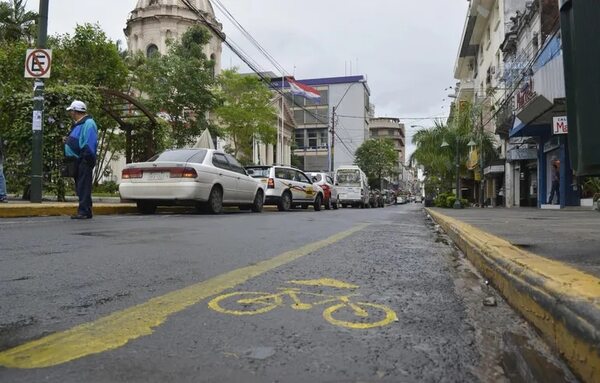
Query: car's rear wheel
x=285 y=203
x=259 y=199
x=146 y=207
x=318 y=202
x=335 y=204
x=215 y=201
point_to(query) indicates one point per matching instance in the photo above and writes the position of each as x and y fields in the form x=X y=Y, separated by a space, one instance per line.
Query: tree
x=179 y=85
x=16 y=23
x=246 y=112
x=439 y=163
x=82 y=63
x=377 y=158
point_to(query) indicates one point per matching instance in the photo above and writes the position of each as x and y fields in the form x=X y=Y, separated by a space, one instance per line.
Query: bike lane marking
x=117 y=329
x=254 y=302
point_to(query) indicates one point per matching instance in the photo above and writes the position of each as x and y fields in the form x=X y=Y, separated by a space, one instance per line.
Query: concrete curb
x=65 y=208
x=562 y=302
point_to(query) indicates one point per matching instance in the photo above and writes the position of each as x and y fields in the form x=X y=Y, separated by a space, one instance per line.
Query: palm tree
x=440 y=162
x=16 y=23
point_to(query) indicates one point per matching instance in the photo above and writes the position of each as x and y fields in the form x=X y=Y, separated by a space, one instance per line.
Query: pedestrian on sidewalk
x=81 y=143
x=3 y=198
x=555 y=181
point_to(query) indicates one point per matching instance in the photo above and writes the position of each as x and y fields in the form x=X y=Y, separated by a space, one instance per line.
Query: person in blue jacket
x=82 y=143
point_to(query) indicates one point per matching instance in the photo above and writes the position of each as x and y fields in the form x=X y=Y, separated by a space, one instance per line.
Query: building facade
x=154 y=22
x=391 y=128
x=479 y=71
x=329 y=131
x=536 y=109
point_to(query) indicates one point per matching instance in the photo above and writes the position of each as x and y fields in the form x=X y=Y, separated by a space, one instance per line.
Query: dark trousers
x=555 y=189
x=83 y=188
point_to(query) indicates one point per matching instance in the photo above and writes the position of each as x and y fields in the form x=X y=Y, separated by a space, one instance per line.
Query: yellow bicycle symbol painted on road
x=340 y=310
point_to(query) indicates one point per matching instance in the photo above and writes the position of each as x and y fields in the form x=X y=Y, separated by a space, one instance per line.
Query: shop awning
x=529 y=130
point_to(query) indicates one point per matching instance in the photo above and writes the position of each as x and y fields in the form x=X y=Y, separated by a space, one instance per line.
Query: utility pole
x=38 y=114
x=331 y=153
x=481 y=175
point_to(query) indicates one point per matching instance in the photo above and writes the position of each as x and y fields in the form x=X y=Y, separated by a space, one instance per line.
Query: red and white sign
x=38 y=63
x=560 y=125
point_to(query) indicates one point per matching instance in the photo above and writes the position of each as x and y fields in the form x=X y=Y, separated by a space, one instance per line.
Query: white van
x=352 y=185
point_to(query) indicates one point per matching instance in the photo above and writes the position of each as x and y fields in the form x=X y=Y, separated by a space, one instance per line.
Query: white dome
x=202 y=5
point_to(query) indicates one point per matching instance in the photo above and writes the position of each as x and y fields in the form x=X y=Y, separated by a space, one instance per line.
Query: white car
x=287 y=187
x=330 y=193
x=205 y=178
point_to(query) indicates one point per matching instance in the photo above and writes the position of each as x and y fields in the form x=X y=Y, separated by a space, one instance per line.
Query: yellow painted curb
x=562 y=302
x=57 y=208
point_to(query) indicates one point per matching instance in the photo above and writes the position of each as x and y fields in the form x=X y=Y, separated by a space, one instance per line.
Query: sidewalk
x=546 y=263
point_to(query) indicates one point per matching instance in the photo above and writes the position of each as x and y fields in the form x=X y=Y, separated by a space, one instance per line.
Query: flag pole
x=282 y=123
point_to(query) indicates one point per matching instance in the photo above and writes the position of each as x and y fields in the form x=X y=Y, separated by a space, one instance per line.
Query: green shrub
x=109 y=187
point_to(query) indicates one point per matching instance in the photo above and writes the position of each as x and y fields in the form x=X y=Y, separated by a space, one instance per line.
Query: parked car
x=206 y=178
x=287 y=187
x=330 y=193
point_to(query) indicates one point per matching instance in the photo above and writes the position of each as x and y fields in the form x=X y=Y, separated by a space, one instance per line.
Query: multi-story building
x=329 y=131
x=535 y=98
x=391 y=128
x=478 y=69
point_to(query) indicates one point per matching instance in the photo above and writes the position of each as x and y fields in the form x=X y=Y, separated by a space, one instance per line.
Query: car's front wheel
x=285 y=203
x=318 y=202
x=259 y=199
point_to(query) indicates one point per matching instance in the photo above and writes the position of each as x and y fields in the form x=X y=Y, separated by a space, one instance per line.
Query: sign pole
x=38 y=113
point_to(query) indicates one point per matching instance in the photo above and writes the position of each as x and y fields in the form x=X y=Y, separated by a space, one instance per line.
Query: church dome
x=202 y=5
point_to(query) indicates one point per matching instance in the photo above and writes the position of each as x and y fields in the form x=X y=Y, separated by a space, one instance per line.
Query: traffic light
x=581 y=52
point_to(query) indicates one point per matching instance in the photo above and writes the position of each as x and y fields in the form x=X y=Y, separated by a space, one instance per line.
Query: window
x=299 y=116
x=309 y=117
x=235 y=165
x=300 y=177
x=322 y=138
x=312 y=138
x=151 y=50
x=300 y=133
x=329 y=180
x=183 y=155
x=220 y=161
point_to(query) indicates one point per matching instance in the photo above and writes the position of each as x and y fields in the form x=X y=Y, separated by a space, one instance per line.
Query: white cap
x=78 y=106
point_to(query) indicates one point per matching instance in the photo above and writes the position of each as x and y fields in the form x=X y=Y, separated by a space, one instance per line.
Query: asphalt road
x=372 y=295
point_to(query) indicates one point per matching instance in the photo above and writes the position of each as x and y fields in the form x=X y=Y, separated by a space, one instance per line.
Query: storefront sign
x=526 y=94
x=560 y=125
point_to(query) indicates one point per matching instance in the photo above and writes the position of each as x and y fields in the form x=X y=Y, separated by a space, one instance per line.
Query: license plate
x=157 y=176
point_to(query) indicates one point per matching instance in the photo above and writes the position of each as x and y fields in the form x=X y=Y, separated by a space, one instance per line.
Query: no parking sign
x=38 y=63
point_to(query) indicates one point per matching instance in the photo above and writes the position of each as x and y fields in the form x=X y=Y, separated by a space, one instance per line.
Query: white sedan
x=206 y=178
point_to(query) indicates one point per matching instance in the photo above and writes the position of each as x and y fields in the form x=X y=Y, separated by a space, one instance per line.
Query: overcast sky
x=405 y=48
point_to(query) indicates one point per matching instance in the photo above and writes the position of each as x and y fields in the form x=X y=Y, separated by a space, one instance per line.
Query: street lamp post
x=457 y=204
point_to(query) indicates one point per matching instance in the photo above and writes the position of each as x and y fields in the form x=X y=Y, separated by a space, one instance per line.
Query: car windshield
x=184 y=155
x=258 y=172
x=349 y=177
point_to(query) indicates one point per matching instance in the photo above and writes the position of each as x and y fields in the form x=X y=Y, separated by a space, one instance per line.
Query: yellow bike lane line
x=117 y=329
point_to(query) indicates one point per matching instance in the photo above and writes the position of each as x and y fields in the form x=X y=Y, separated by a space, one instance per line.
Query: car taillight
x=271 y=183
x=131 y=173
x=183 y=173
